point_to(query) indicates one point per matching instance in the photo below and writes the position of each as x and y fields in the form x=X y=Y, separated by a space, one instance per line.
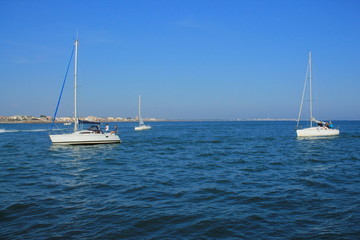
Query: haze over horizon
x=188 y=59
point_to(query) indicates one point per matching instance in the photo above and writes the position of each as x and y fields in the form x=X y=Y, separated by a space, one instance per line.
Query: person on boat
x=320 y=124
x=107 y=128
x=115 y=130
x=331 y=125
x=326 y=125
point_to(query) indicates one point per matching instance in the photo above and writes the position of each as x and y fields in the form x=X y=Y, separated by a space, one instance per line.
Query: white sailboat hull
x=317 y=132
x=142 y=127
x=84 y=137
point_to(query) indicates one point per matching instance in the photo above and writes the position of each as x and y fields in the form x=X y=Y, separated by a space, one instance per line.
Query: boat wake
x=17 y=130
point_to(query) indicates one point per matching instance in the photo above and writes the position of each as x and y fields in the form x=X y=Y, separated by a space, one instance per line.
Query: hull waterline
x=317 y=132
x=78 y=138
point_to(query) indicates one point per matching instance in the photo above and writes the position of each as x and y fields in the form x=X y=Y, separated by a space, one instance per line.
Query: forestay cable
x=62 y=88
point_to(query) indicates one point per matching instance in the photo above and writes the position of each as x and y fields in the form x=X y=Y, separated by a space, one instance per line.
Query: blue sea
x=182 y=180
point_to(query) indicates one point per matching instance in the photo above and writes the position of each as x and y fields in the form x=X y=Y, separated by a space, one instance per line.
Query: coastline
x=47 y=119
x=62 y=120
x=111 y=120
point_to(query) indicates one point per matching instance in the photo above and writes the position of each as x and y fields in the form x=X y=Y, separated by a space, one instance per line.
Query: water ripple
x=182 y=180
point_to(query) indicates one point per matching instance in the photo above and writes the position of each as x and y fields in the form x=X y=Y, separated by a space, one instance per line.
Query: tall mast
x=139 y=109
x=310 y=83
x=75 y=86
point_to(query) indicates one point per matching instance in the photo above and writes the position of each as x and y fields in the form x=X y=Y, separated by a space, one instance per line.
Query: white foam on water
x=16 y=130
x=8 y=130
x=36 y=130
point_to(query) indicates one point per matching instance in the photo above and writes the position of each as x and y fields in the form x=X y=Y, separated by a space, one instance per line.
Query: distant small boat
x=93 y=135
x=67 y=123
x=322 y=128
x=142 y=125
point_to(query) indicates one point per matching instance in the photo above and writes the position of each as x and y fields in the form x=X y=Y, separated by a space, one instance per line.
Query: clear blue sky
x=188 y=59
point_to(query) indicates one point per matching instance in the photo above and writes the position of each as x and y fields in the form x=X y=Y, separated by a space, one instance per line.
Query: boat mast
x=139 y=110
x=75 y=86
x=310 y=83
x=303 y=95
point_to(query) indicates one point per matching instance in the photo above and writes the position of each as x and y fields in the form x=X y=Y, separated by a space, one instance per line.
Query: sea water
x=182 y=180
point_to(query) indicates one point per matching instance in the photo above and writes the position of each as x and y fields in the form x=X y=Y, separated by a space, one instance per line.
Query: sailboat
x=93 y=135
x=321 y=128
x=142 y=125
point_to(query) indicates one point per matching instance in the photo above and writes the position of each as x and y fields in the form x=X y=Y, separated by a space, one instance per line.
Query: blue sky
x=188 y=59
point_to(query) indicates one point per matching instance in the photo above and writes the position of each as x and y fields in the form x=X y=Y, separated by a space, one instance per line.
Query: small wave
x=17 y=130
x=8 y=131
x=36 y=130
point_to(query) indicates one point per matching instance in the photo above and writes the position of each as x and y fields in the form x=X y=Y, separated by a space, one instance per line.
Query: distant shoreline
x=172 y=120
x=61 y=120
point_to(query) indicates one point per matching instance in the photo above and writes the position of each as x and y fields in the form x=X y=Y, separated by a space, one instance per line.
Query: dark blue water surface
x=182 y=180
